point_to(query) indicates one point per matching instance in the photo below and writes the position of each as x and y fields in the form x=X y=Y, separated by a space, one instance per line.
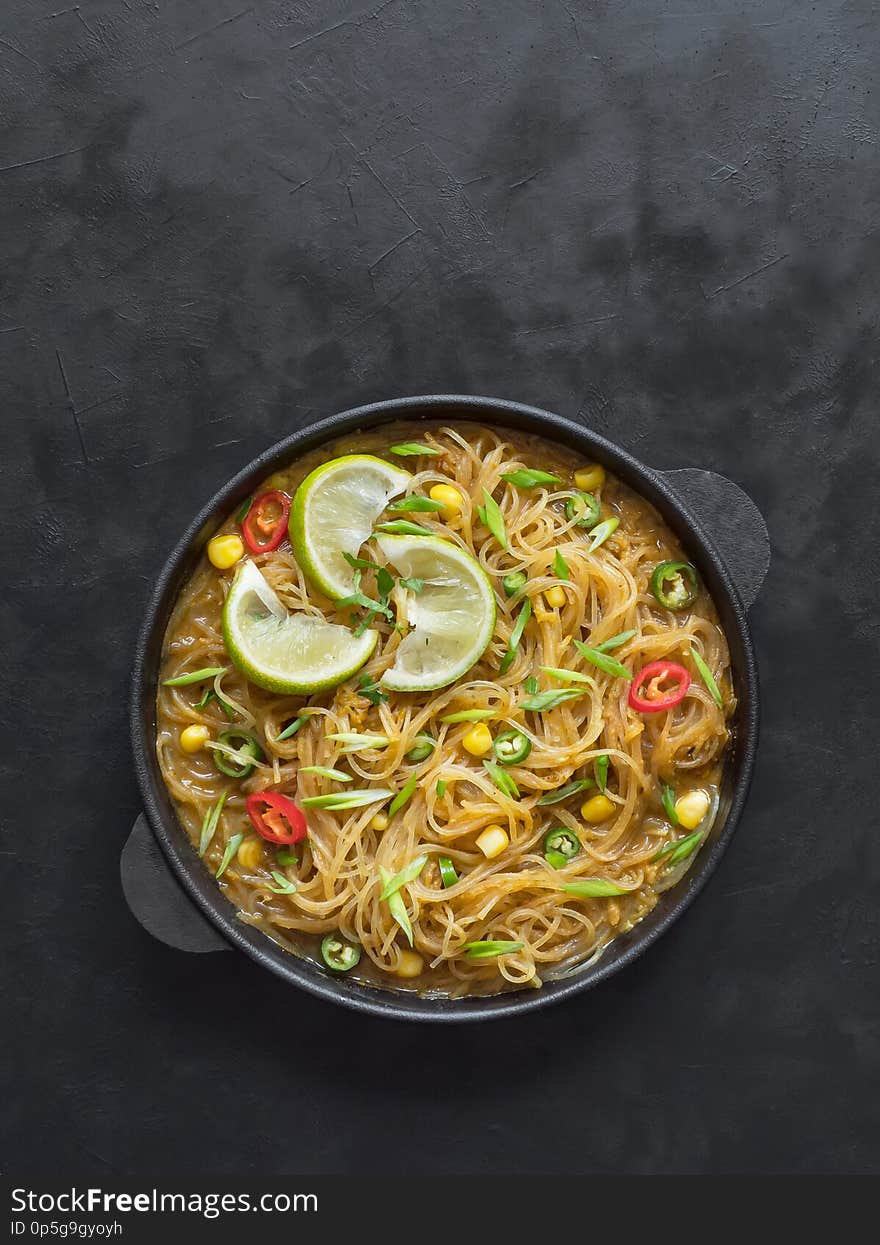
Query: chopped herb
x=336 y=775
x=601 y=533
x=667 y=799
x=526 y=478
x=397 y=907
x=679 y=851
x=415 y=503
x=492 y=518
x=708 y=678
x=592 y=888
x=363 y=564
x=502 y=780
x=603 y=661
x=408 y=874
x=614 y=642
x=231 y=848
x=284 y=885
x=347 y=799
x=359 y=598
x=469 y=715
x=409 y=449
x=489 y=949
x=560 y=566
x=290 y=731
x=601 y=765
x=414 y=585
x=403 y=796
x=572 y=788
x=516 y=634
x=209 y=825
x=370 y=690
x=196 y=676
x=402 y=527
x=542 y=701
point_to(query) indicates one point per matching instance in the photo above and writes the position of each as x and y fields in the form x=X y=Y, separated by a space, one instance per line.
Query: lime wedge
x=333 y=513
x=286 y=652
x=453 y=615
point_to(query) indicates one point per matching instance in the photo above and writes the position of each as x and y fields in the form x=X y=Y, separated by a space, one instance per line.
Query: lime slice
x=333 y=513
x=286 y=652
x=453 y=615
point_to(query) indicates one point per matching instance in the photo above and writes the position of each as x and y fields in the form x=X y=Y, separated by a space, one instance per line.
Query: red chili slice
x=646 y=691
x=264 y=526
x=276 y=818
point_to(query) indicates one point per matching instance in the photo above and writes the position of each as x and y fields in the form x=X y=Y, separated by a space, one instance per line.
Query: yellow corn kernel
x=449 y=497
x=250 y=853
x=493 y=841
x=193 y=738
x=478 y=740
x=597 y=809
x=555 y=597
x=691 y=808
x=225 y=551
x=379 y=822
x=410 y=964
x=590 y=478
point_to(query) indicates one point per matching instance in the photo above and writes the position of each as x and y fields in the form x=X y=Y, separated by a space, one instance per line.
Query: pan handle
x=734 y=522
x=157 y=900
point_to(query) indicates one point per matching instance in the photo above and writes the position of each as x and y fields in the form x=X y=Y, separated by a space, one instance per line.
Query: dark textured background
x=222 y=220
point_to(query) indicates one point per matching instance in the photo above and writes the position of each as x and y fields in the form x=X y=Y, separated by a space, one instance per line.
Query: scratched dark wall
x=221 y=221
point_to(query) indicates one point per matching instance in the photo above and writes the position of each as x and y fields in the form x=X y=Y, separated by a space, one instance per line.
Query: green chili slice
x=675 y=584
x=511 y=747
x=560 y=846
x=247 y=751
x=513 y=582
x=583 y=509
x=448 y=876
x=340 y=954
x=422 y=748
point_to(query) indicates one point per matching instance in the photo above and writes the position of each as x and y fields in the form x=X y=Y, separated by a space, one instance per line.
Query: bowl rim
x=175 y=845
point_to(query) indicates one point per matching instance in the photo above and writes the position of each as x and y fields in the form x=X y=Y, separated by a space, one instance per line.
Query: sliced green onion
x=583 y=510
x=531 y=685
x=567 y=676
x=409 y=874
x=440 y=788
x=414 y=503
x=602 y=660
x=448 y=876
x=502 y=780
x=572 y=788
x=403 y=796
x=681 y=849
x=542 y=701
x=284 y=885
x=489 y=949
x=492 y=518
x=601 y=764
x=370 y=690
x=209 y=825
x=286 y=857
x=527 y=478
x=352 y=741
x=516 y=634
x=409 y=449
x=560 y=566
x=242 y=513
x=231 y=848
x=592 y=888
x=402 y=527
x=336 y=775
x=667 y=799
x=614 y=642
x=397 y=907
x=347 y=799
x=469 y=715
x=290 y=731
x=196 y=676
x=513 y=582
x=708 y=678
x=422 y=748
x=601 y=533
